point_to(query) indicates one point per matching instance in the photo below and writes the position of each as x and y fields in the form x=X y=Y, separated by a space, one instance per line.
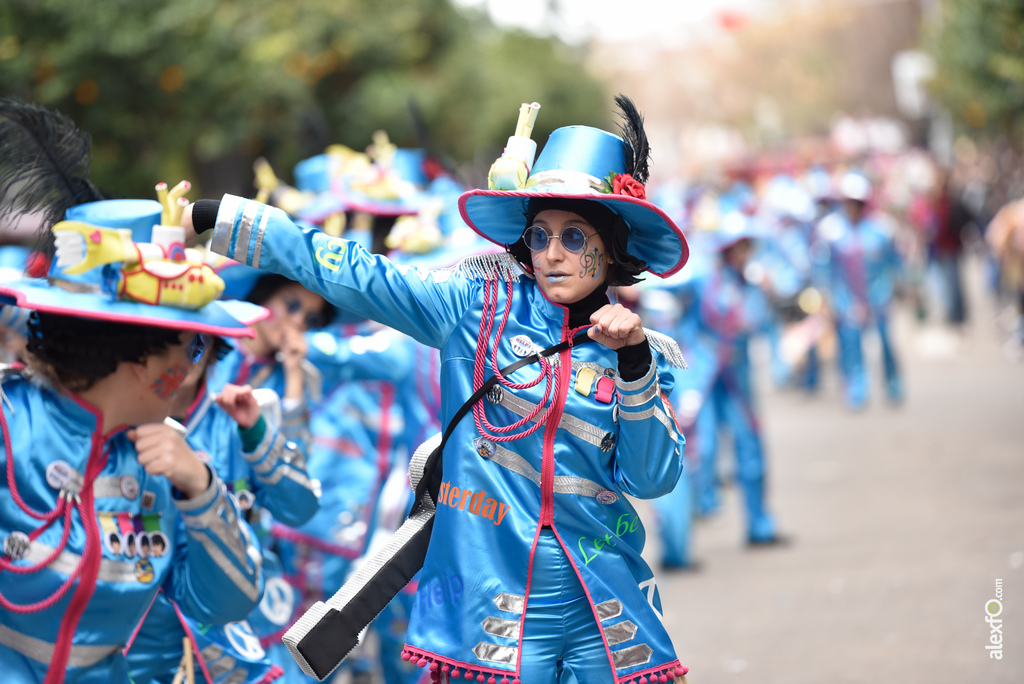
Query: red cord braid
x=479 y=415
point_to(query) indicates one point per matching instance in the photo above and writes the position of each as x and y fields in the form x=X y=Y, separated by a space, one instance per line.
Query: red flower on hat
x=625 y=184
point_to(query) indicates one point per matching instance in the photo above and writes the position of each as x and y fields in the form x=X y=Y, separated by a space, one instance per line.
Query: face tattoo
x=591 y=262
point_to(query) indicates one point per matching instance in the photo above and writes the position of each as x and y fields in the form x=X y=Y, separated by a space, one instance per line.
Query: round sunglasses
x=573 y=238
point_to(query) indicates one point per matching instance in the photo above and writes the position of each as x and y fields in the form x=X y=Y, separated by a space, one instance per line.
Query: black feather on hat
x=638 y=151
x=44 y=166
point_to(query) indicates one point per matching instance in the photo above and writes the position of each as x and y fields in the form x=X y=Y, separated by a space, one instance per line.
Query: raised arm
x=425 y=305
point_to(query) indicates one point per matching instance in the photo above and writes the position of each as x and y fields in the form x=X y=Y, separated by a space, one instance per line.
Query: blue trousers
x=729 y=406
x=561 y=640
x=851 y=361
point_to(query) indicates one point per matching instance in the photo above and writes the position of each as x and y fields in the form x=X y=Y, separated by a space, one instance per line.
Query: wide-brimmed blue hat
x=584 y=163
x=392 y=186
x=112 y=243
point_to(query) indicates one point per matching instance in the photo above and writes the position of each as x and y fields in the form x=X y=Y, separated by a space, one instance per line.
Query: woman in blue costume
x=534 y=568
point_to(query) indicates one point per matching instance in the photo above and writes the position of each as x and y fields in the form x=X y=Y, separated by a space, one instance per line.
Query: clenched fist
x=162 y=451
x=615 y=326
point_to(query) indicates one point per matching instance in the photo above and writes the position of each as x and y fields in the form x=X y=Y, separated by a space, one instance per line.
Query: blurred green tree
x=978 y=46
x=198 y=88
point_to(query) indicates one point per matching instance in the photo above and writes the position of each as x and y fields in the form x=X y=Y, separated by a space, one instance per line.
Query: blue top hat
x=580 y=162
x=109 y=277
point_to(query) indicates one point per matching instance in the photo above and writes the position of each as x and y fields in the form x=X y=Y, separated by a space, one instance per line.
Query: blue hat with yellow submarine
x=125 y=261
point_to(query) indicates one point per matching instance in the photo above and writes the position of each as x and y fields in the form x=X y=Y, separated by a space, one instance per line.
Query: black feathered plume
x=44 y=165
x=638 y=152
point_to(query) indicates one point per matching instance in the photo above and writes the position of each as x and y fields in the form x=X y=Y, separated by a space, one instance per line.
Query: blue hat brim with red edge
x=573 y=165
x=222 y=318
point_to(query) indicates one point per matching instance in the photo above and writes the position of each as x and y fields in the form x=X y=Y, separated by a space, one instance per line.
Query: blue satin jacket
x=273 y=477
x=129 y=537
x=601 y=438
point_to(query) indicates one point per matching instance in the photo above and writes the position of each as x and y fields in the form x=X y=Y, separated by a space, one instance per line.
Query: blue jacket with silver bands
x=211 y=564
x=572 y=473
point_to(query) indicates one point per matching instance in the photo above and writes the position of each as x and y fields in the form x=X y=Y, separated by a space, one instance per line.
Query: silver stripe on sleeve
x=259 y=237
x=642 y=398
x=637 y=385
x=186 y=506
x=609 y=609
x=493 y=653
x=510 y=603
x=632 y=656
x=592 y=434
x=42 y=651
x=244 y=232
x=620 y=632
x=220 y=521
x=271 y=459
x=251 y=589
x=500 y=627
x=654 y=411
x=225 y=225
x=287 y=472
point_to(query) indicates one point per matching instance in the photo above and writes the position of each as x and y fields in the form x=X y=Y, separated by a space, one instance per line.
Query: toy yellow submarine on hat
x=161 y=272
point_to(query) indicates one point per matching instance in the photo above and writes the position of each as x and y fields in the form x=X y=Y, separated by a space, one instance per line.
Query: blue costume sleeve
x=649 y=451
x=216 y=576
x=424 y=305
x=279 y=478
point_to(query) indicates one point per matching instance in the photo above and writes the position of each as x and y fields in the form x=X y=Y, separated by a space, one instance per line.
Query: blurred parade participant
x=358 y=427
x=1005 y=237
x=722 y=311
x=507 y=524
x=109 y=504
x=276 y=357
x=952 y=218
x=784 y=264
x=241 y=442
x=860 y=271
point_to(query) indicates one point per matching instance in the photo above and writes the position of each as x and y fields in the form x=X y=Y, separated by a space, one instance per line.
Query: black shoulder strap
x=432 y=468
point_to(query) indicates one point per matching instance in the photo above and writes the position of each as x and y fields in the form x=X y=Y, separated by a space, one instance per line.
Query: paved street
x=902 y=520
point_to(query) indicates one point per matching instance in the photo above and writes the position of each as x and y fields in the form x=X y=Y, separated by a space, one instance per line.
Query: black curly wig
x=79 y=352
